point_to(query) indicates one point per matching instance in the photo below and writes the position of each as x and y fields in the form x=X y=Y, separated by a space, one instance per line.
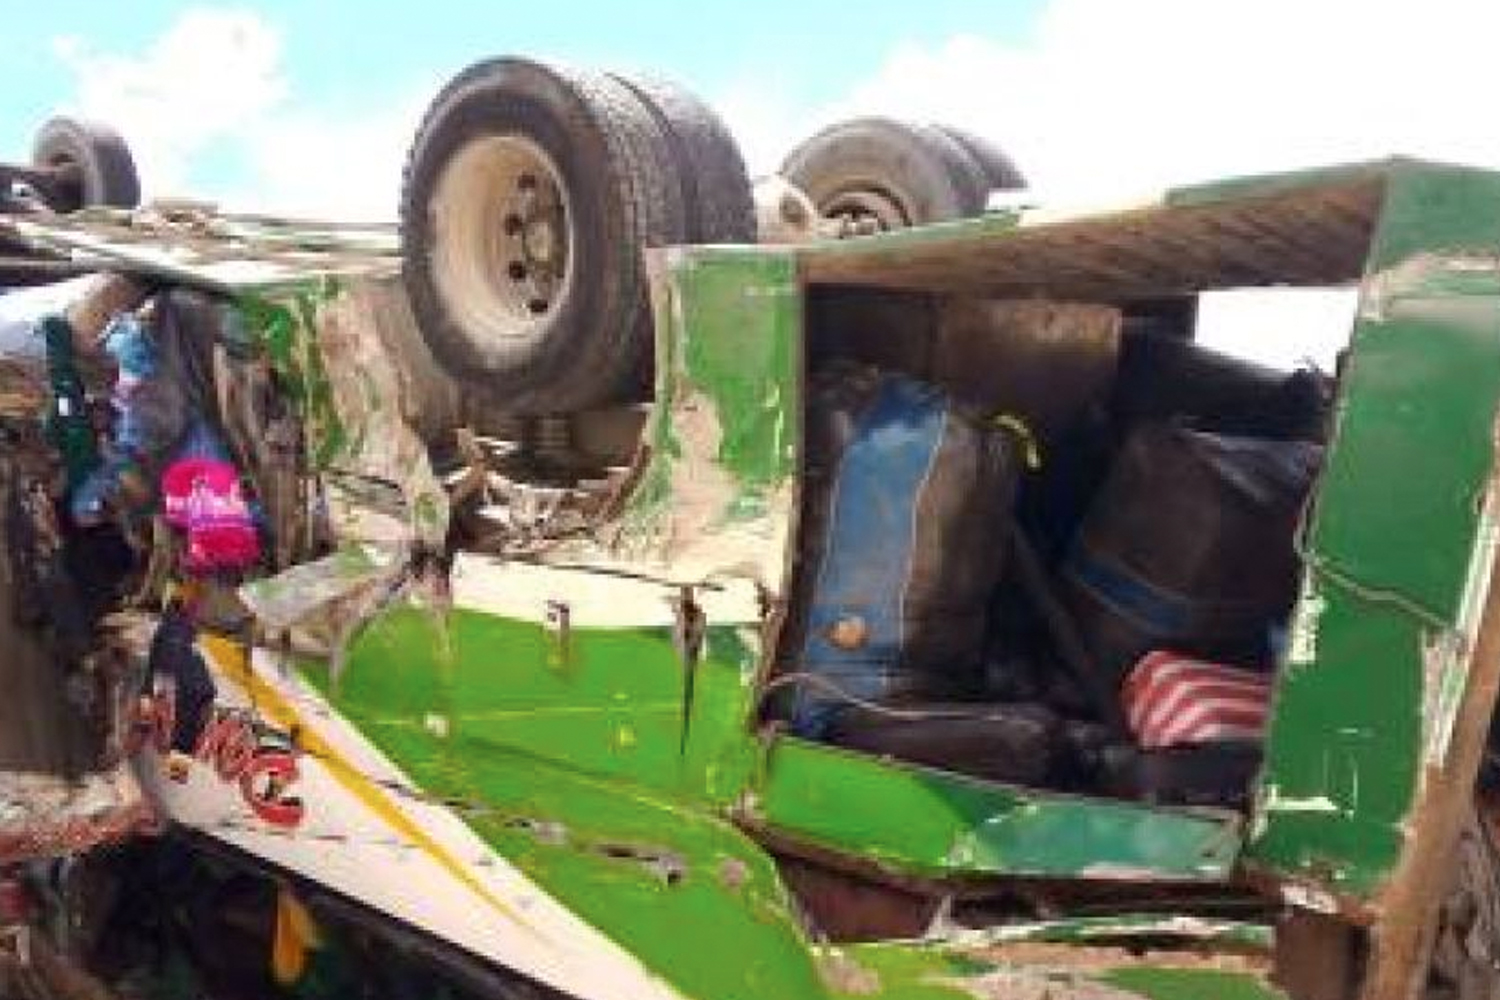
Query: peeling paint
x=667 y=866
x=577 y=747
x=929 y=822
x=715 y=528
x=1432 y=286
x=842 y=974
x=1367 y=702
x=1446 y=656
x=1303 y=645
x=1309 y=897
x=1055 y=971
x=600 y=593
x=1039 y=984
x=1276 y=802
x=1192 y=930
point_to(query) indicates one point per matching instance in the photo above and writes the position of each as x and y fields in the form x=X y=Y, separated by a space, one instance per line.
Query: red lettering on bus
x=264 y=786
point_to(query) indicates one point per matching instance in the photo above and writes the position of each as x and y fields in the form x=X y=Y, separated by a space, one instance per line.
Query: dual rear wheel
x=529 y=194
x=873 y=175
x=531 y=190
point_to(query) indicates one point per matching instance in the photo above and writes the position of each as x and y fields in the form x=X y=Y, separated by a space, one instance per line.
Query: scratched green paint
x=612 y=707
x=283 y=324
x=927 y=822
x=616 y=712
x=721 y=927
x=728 y=335
x=606 y=748
x=1397 y=518
x=1123 y=927
x=740 y=314
x=903 y=972
x=1191 y=984
x=532 y=760
x=936 y=972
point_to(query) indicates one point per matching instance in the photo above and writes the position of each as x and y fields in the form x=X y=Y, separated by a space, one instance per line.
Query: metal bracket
x=689 y=630
x=557 y=623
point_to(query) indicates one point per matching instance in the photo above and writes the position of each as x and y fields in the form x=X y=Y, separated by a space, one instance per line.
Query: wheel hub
x=503 y=246
x=862 y=212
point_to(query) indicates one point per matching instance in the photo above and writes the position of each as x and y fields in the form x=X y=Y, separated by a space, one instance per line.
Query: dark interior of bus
x=1046 y=537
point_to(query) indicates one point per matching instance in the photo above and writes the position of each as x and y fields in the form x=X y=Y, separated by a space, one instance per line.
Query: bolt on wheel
x=504 y=240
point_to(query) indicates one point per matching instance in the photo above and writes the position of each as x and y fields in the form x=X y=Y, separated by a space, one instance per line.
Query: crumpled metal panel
x=323 y=337
x=203 y=247
x=45 y=815
x=1398 y=555
x=715 y=491
x=1040 y=970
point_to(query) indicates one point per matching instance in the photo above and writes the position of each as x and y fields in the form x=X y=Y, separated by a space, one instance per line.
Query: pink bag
x=203 y=499
x=1171 y=700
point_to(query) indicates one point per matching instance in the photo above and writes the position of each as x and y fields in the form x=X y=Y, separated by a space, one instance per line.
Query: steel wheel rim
x=503 y=241
x=861 y=211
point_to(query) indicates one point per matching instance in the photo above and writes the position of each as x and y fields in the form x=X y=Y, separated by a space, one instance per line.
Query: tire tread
x=599 y=356
x=109 y=171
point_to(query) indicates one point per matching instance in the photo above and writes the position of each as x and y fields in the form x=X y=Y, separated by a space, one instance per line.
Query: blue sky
x=308 y=106
x=346 y=60
x=336 y=48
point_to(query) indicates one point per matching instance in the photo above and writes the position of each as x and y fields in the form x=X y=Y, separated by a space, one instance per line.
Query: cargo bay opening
x=1091 y=593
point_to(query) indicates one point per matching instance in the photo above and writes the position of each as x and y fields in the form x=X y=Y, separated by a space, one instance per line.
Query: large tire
x=95 y=162
x=1000 y=171
x=529 y=194
x=715 y=185
x=876 y=173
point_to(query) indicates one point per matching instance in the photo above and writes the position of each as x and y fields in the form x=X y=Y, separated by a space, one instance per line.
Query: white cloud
x=1104 y=97
x=1101 y=99
x=214 y=87
x=1105 y=100
x=766 y=122
x=318 y=166
x=212 y=73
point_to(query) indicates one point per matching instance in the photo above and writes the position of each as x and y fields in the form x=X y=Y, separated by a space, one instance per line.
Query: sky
x=308 y=106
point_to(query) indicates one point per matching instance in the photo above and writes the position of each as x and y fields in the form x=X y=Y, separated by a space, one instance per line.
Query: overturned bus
x=943 y=621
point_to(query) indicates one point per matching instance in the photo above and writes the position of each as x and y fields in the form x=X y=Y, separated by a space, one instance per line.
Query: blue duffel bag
x=906 y=515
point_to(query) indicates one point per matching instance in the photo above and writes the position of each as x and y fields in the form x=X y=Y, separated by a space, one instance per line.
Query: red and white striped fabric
x=1172 y=700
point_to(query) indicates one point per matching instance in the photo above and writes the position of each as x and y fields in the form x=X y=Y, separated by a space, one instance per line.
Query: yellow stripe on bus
x=233 y=660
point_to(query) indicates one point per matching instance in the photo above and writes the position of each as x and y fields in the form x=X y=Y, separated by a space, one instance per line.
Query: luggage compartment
x=1157 y=491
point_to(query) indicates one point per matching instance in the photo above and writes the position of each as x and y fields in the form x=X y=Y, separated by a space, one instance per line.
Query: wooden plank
x=1407 y=910
x=1314 y=236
